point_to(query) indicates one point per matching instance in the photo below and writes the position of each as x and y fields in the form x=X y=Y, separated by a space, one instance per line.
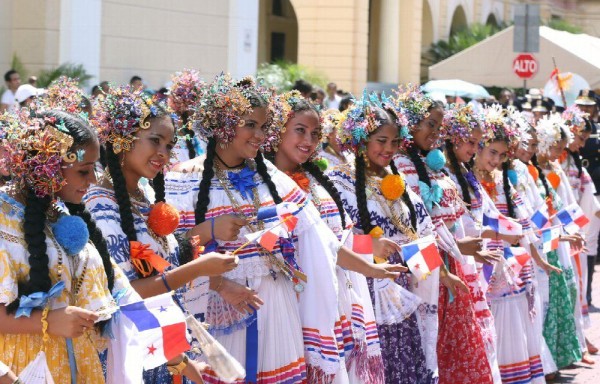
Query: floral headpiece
x=37 y=150
x=121 y=113
x=459 y=123
x=331 y=119
x=522 y=125
x=575 y=118
x=282 y=107
x=186 y=90
x=548 y=131
x=499 y=127
x=413 y=103
x=223 y=104
x=357 y=122
x=64 y=94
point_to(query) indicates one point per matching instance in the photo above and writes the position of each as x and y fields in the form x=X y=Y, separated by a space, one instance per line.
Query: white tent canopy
x=490 y=62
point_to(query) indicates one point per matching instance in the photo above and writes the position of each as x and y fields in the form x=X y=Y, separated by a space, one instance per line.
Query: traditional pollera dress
x=86 y=286
x=527 y=189
x=560 y=330
x=474 y=271
x=512 y=297
x=294 y=331
x=408 y=342
x=333 y=160
x=360 y=340
x=460 y=347
x=584 y=192
x=102 y=204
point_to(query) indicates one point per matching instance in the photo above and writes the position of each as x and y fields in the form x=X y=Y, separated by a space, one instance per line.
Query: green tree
x=74 y=71
x=563 y=25
x=282 y=75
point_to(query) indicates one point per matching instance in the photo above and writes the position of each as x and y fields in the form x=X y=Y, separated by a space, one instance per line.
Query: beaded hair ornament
x=120 y=114
x=575 y=118
x=459 y=122
x=413 y=103
x=222 y=105
x=37 y=150
x=359 y=121
x=282 y=107
x=186 y=90
x=548 y=131
x=64 y=94
x=498 y=126
x=331 y=119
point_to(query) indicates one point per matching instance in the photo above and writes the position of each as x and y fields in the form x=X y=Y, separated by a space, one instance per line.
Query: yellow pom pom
x=392 y=187
x=376 y=232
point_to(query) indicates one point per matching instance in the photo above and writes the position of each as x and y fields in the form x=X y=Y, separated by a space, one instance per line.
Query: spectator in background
x=304 y=87
x=346 y=102
x=318 y=96
x=96 y=91
x=13 y=81
x=506 y=95
x=26 y=94
x=32 y=81
x=105 y=86
x=332 y=101
x=136 y=83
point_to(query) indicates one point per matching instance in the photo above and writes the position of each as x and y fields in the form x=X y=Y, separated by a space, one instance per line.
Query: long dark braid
x=456 y=169
x=327 y=184
x=35 y=239
x=415 y=157
x=121 y=194
x=97 y=239
x=261 y=168
x=207 y=174
x=406 y=199
x=364 y=216
x=158 y=184
x=506 y=185
x=189 y=135
x=534 y=162
x=577 y=160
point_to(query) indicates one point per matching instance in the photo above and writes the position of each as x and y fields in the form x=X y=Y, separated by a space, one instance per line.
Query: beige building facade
x=351 y=41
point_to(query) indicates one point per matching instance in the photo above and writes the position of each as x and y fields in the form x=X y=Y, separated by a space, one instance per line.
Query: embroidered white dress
x=292 y=328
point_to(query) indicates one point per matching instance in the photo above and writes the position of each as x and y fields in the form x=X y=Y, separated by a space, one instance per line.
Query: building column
x=242 y=48
x=80 y=35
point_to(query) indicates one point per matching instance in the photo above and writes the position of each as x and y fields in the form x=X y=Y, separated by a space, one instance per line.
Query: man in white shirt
x=13 y=81
x=332 y=101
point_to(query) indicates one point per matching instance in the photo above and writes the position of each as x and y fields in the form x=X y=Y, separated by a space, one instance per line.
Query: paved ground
x=583 y=373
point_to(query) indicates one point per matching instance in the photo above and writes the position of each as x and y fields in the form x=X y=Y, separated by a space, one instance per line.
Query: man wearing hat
x=26 y=93
x=586 y=101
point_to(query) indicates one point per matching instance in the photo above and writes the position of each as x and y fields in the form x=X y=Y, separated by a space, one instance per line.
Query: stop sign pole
x=525 y=66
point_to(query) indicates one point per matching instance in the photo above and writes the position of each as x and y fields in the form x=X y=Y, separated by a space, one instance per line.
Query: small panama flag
x=501 y=224
x=283 y=212
x=161 y=329
x=540 y=217
x=516 y=257
x=572 y=218
x=550 y=237
x=363 y=245
x=267 y=238
x=422 y=256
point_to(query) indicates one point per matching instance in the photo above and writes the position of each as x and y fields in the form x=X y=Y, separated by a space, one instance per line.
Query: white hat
x=26 y=91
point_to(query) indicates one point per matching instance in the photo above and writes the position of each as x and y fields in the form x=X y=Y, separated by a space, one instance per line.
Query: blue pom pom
x=71 y=233
x=435 y=160
x=512 y=176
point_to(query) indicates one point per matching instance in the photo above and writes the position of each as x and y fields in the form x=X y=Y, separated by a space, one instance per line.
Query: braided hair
x=506 y=186
x=534 y=162
x=189 y=135
x=577 y=161
x=456 y=169
x=35 y=215
x=327 y=184
x=256 y=101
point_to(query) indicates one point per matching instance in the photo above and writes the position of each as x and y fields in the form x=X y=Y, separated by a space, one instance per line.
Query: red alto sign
x=525 y=66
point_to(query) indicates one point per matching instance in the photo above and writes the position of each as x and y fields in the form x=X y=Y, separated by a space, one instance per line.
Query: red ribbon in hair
x=146 y=260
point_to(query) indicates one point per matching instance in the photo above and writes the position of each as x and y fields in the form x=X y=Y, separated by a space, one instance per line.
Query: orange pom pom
x=376 y=232
x=163 y=219
x=533 y=172
x=392 y=186
x=553 y=179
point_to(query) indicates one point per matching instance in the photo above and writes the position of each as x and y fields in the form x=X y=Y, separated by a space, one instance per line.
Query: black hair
x=303 y=86
x=327 y=184
x=577 y=161
x=189 y=135
x=134 y=78
x=8 y=74
x=345 y=103
x=542 y=177
x=506 y=186
x=456 y=169
x=96 y=88
x=256 y=101
x=36 y=208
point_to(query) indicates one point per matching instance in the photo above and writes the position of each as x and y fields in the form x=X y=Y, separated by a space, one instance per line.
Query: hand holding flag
x=422 y=256
x=501 y=224
x=572 y=218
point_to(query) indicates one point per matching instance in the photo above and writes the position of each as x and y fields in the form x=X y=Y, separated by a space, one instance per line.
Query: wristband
x=164 y=279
